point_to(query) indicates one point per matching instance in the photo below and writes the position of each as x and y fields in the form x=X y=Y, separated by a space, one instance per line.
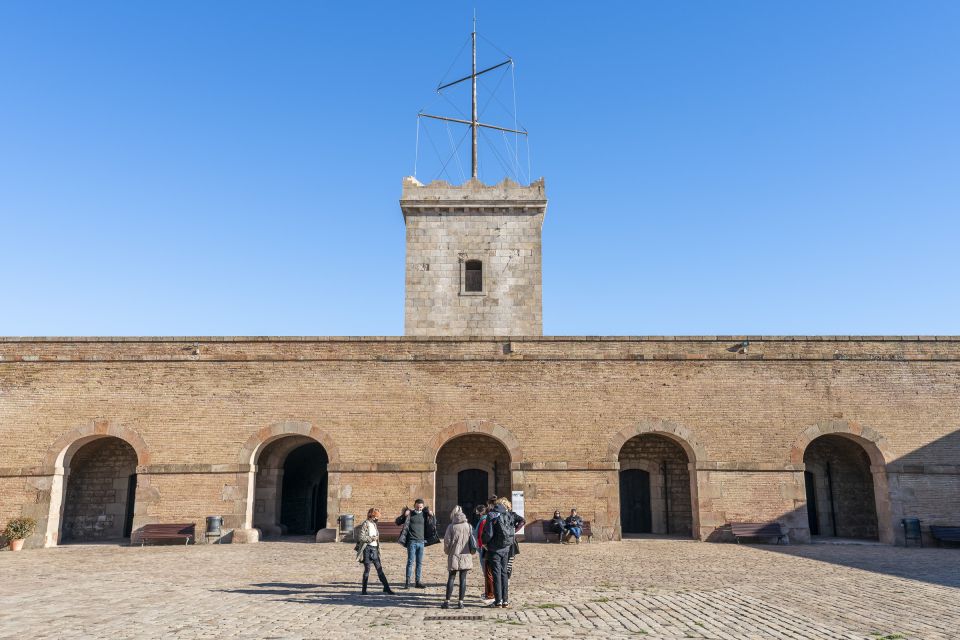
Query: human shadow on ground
x=342 y=593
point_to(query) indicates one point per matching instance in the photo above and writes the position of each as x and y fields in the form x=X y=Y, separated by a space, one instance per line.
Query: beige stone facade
x=724 y=431
x=495 y=229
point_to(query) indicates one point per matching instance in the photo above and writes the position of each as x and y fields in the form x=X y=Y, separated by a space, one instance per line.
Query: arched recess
x=656 y=474
x=680 y=434
x=58 y=459
x=492 y=429
x=479 y=445
x=264 y=455
x=874 y=447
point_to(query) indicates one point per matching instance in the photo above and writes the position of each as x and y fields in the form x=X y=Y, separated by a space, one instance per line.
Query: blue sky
x=187 y=168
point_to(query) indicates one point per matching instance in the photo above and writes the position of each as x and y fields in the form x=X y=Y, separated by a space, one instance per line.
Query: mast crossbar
x=479 y=124
x=474 y=122
x=473 y=75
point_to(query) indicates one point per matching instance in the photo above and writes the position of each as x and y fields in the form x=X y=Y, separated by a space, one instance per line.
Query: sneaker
x=444 y=605
x=495 y=605
x=460 y=605
x=505 y=605
x=420 y=585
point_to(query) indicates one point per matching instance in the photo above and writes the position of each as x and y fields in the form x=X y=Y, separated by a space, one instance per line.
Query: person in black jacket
x=498 y=538
x=558 y=525
x=419 y=530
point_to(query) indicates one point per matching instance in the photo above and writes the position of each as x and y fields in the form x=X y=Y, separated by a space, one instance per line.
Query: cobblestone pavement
x=651 y=588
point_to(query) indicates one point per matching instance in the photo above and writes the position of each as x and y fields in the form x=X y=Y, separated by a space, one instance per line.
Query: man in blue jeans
x=419 y=530
x=574 y=526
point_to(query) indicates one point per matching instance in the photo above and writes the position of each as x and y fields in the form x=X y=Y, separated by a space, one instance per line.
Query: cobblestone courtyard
x=637 y=588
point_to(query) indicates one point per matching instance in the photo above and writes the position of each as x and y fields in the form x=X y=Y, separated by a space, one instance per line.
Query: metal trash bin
x=911 y=530
x=346 y=526
x=214 y=528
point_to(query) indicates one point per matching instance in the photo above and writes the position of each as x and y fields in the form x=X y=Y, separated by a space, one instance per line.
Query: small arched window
x=473 y=276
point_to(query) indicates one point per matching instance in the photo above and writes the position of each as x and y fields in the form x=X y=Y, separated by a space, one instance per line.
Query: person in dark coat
x=419 y=530
x=558 y=525
x=498 y=539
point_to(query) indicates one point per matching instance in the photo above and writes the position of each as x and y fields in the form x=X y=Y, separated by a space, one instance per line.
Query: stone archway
x=846 y=480
x=107 y=499
x=264 y=455
x=470 y=468
x=290 y=495
x=656 y=460
x=655 y=495
x=100 y=492
x=472 y=445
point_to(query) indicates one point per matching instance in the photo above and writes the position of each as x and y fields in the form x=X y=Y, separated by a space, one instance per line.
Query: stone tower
x=473 y=258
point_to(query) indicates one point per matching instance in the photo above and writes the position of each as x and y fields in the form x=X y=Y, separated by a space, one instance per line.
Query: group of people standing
x=492 y=538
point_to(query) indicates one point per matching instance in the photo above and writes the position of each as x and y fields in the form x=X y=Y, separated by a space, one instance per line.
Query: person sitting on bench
x=574 y=525
x=558 y=525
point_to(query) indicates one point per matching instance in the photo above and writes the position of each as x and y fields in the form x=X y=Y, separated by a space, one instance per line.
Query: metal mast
x=474 y=120
x=473 y=77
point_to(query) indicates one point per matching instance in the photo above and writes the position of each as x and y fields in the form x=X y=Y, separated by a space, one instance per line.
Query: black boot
x=363 y=591
x=386 y=585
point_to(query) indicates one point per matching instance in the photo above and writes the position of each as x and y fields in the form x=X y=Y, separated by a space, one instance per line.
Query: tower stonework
x=474 y=263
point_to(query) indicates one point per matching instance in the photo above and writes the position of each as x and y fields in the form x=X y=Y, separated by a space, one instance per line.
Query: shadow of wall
x=923 y=484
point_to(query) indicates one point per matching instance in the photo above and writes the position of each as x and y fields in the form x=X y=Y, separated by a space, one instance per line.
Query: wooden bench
x=757 y=530
x=166 y=532
x=389 y=530
x=548 y=531
x=943 y=533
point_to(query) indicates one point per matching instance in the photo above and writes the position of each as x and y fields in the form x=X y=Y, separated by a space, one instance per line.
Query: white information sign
x=517 y=501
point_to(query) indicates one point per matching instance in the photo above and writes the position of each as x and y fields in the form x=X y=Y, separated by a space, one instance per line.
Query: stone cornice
x=733 y=349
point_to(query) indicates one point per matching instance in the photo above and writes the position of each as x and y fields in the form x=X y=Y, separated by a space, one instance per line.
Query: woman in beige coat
x=459 y=546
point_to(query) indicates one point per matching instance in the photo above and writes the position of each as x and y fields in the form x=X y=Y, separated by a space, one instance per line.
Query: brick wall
x=196 y=410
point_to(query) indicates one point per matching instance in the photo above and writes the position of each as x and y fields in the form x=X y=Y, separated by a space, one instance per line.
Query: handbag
x=473 y=544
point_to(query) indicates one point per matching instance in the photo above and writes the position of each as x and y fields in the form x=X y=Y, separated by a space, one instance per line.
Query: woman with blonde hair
x=368 y=550
x=459 y=545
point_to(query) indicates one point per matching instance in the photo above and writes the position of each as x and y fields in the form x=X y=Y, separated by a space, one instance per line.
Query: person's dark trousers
x=463 y=583
x=371 y=556
x=498 y=567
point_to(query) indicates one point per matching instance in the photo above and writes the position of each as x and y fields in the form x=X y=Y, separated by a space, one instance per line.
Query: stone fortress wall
x=568 y=414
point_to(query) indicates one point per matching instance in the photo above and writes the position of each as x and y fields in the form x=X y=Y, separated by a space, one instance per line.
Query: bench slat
x=186 y=531
x=757 y=530
x=945 y=533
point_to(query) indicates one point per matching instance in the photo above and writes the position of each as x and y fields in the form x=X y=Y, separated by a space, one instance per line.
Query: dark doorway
x=131 y=502
x=472 y=490
x=303 y=505
x=841 y=501
x=811 y=503
x=635 y=514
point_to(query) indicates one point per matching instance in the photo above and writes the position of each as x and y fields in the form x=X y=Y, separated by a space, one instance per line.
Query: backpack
x=502 y=531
